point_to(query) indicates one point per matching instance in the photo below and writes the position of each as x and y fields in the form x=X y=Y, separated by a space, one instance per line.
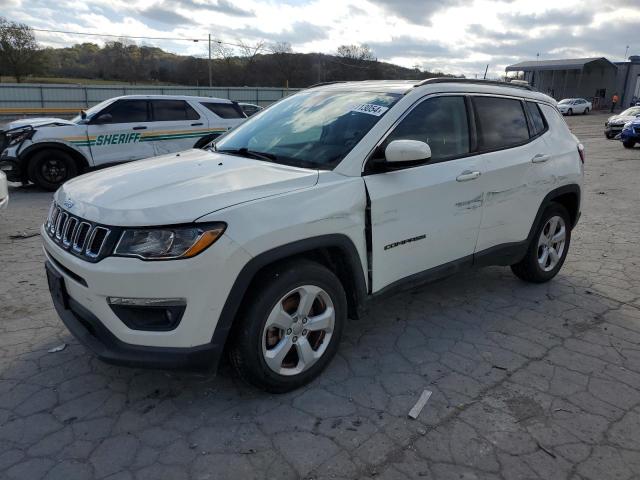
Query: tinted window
x=225 y=110
x=501 y=122
x=172 y=110
x=441 y=122
x=537 y=120
x=128 y=111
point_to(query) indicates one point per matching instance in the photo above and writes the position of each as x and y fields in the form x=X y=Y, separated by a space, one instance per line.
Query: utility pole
x=485 y=72
x=210 y=79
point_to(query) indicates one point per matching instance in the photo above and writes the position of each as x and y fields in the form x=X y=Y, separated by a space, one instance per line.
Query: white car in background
x=572 y=106
x=50 y=151
x=4 y=191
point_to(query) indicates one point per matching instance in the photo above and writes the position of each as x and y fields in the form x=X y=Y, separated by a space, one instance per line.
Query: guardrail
x=33 y=99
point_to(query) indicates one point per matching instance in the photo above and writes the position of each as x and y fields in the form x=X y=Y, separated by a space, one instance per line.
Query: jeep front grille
x=80 y=237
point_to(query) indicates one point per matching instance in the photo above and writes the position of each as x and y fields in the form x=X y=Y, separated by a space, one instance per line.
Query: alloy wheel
x=298 y=330
x=551 y=243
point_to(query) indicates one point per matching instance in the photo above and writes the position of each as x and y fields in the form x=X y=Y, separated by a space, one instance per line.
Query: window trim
x=368 y=165
x=152 y=112
x=112 y=105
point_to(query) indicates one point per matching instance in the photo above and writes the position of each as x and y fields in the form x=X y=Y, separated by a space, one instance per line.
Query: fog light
x=150 y=314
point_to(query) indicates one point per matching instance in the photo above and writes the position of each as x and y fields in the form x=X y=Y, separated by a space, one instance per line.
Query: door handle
x=540 y=158
x=141 y=127
x=467 y=175
x=197 y=124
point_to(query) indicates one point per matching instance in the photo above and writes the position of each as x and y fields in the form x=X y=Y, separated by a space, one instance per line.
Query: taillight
x=581 y=152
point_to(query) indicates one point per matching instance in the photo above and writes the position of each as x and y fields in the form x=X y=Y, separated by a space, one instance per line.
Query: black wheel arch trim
x=257 y=263
x=573 y=188
x=28 y=152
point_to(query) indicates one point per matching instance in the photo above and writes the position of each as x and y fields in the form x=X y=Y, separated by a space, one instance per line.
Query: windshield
x=566 y=100
x=631 y=112
x=92 y=111
x=309 y=129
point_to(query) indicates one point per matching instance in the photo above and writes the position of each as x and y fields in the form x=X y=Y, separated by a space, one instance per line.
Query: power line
x=183 y=39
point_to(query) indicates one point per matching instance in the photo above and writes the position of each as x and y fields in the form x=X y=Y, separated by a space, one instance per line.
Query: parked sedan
x=570 y=106
x=631 y=133
x=614 y=123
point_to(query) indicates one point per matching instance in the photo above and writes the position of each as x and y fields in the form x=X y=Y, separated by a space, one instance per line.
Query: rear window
x=538 y=124
x=172 y=110
x=225 y=110
x=501 y=123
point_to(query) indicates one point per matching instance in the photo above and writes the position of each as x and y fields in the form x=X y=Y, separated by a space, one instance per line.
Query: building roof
x=566 y=64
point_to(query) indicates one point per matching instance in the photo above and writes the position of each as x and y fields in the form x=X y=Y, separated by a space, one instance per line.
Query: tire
x=51 y=168
x=586 y=111
x=530 y=268
x=629 y=144
x=609 y=136
x=204 y=141
x=570 y=112
x=256 y=345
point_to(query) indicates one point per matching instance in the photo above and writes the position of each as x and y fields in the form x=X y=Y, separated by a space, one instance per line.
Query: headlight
x=168 y=243
x=19 y=136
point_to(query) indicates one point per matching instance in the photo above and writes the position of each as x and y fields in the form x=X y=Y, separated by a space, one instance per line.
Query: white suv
x=50 y=151
x=265 y=244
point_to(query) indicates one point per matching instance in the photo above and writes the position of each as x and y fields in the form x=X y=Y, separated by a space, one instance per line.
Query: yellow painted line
x=17 y=111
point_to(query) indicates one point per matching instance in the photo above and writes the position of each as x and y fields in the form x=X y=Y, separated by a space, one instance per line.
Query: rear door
x=511 y=137
x=177 y=126
x=116 y=133
x=426 y=216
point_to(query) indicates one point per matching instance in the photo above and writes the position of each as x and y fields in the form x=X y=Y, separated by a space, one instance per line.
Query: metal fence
x=39 y=98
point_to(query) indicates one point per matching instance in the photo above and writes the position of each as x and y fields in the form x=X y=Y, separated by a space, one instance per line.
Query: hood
x=37 y=122
x=177 y=188
x=621 y=119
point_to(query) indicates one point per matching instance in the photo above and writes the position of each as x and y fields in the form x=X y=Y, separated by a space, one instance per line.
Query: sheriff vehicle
x=265 y=243
x=50 y=151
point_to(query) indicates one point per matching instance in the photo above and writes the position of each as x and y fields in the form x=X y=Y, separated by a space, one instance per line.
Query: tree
x=357 y=52
x=20 y=54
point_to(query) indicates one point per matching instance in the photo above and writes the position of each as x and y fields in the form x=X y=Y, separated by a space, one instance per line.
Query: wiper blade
x=245 y=152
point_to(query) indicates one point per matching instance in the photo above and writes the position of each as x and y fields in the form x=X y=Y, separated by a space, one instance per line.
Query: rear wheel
x=570 y=112
x=51 y=168
x=586 y=110
x=628 y=143
x=548 y=248
x=291 y=328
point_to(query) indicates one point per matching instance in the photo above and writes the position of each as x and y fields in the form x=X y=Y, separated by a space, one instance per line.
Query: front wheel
x=628 y=143
x=548 y=248
x=51 y=168
x=291 y=328
x=570 y=112
x=586 y=110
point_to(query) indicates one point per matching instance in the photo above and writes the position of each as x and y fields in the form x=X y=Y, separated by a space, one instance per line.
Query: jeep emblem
x=68 y=203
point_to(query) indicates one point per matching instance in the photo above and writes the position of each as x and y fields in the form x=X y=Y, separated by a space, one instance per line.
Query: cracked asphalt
x=528 y=381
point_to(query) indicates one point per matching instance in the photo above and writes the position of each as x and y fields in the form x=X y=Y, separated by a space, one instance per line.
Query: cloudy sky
x=453 y=36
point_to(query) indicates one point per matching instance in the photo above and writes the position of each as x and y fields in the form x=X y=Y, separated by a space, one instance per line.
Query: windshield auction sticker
x=370 y=109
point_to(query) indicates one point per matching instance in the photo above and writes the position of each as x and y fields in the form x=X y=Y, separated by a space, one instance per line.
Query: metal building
x=596 y=79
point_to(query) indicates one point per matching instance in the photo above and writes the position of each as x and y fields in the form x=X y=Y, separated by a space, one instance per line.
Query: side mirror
x=102 y=119
x=407 y=151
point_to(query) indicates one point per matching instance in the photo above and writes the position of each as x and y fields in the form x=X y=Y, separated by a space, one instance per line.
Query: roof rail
x=428 y=81
x=326 y=83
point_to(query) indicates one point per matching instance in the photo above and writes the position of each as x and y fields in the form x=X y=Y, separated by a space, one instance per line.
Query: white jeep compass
x=264 y=244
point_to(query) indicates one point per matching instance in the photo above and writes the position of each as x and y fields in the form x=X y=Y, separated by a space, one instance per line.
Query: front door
x=427 y=216
x=117 y=133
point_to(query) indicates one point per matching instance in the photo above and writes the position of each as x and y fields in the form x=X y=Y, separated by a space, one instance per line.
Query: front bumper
x=96 y=337
x=204 y=282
